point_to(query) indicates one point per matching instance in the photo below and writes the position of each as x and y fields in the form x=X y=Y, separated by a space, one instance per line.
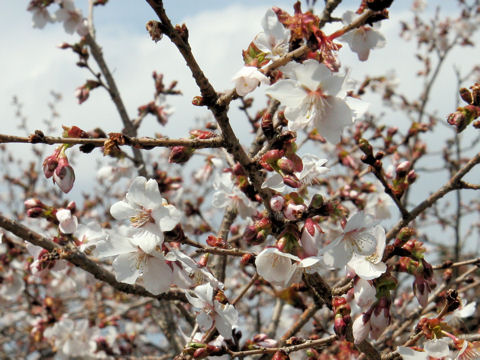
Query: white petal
x=337 y=254
x=136 y=191
x=409 y=354
x=287 y=92
x=274 y=182
x=334 y=117
x=364 y=293
x=437 y=348
x=157 y=276
x=125 y=268
x=168 y=222
x=365 y=269
x=360 y=329
x=114 y=245
x=123 y=210
x=204 y=321
x=152 y=194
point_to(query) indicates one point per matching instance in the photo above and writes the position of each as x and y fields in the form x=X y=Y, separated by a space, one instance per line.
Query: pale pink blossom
x=360 y=236
x=148 y=213
x=72 y=338
x=67 y=222
x=364 y=293
x=247 y=79
x=135 y=258
x=72 y=18
x=361 y=39
x=437 y=348
x=212 y=312
x=274 y=39
x=228 y=194
x=276 y=267
x=313 y=95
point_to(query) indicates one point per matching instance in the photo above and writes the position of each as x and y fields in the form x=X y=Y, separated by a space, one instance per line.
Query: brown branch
x=129 y=129
x=288 y=349
x=79 y=259
x=453 y=184
x=449 y=264
x=179 y=36
x=215 y=142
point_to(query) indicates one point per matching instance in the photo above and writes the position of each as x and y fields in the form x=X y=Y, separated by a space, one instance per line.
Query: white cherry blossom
x=72 y=18
x=133 y=260
x=274 y=39
x=247 y=79
x=212 y=312
x=371 y=266
x=360 y=236
x=228 y=194
x=149 y=214
x=67 y=222
x=364 y=293
x=314 y=94
x=409 y=354
x=276 y=267
x=378 y=205
x=72 y=338
x=437 y=348
x=361 y=39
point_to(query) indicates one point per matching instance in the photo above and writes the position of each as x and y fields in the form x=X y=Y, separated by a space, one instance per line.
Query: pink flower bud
x=310 y=234
x=180 y=154
x=33 y=203
x=277 y=202
x=292 y=181
x=286 y=166
x=402 y=168
x=64 y=176
x=294 y=211
x=361 y=327
x=49 y=165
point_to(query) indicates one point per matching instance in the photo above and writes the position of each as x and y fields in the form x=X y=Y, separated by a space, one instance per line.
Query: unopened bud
x=286 y=166
x=198 y=101
x=247 y=259
x=292 y=181
x=466 y=95
x=402 y=168
x=277 y=202
x=180 y=154
x=411 y=176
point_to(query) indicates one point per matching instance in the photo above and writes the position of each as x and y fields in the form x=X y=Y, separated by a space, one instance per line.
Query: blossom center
x=142 y=217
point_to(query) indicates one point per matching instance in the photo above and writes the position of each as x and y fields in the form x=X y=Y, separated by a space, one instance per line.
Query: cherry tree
x=344 y=226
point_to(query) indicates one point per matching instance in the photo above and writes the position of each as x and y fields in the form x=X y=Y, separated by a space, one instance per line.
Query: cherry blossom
x=313 y=95
x=228 y=194
x=223 y=316
x=437 y=348
x=134 y=258
x=274 y=40
x=362 y=39
x=247 y=79
x=313 y=168
x=149 y=214
x=371 y=266
x=360 y=236
x=364 y=293
x=72 y=338
x=12 y=285
x=276 y=266
x=409 y=354
x=378 y=205
x=110 y=174
x=67 y=222
x=71 y=17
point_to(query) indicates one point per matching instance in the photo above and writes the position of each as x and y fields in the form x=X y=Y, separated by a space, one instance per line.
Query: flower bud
x=277 y=202
x=286 y=166
x=403 y=168
x=294 y=211
x=292 y=181
x=49 y=165
x=64 y=176
x=33 y=203
x=180 y=154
